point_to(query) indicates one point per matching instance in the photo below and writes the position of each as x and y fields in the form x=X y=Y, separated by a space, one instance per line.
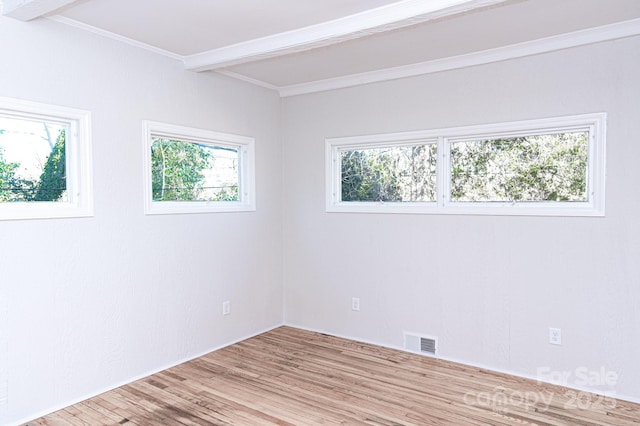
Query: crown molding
x=549 y=44
x=381 y=19
x=114 y=36
x=248 y=79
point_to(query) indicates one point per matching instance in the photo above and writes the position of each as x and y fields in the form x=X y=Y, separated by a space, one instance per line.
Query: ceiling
x=302 y=46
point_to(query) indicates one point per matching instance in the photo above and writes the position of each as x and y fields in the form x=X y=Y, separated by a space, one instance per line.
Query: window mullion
x=443 y=181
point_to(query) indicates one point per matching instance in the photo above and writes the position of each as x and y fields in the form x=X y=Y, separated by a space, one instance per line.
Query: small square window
x=45 y=161
x=196 y=171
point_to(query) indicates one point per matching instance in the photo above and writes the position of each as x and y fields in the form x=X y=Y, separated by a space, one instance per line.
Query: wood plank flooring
x=289 y=376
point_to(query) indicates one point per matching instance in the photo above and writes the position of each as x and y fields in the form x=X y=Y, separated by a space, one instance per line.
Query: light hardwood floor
x=289 y=376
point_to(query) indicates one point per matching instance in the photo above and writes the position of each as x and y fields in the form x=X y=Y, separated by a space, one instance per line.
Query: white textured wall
x=488 y=287
x=88 y=304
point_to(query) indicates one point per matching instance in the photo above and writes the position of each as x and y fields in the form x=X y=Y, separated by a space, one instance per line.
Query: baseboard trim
x=140 y=376
x=620 y=397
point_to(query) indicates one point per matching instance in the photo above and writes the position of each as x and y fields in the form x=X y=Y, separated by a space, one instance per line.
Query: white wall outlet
x=555 y=336
x=355 y=303
x=226 y=307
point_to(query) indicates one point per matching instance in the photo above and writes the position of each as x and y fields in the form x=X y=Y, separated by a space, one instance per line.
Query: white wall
x=488 y=287
x=88 y=304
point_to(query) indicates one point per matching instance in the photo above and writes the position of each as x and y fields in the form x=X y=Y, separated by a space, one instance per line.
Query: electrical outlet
x=355 y=303
x=555 y=336
x=226 y=307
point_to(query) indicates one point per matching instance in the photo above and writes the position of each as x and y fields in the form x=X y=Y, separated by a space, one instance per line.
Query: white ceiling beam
x=26 y=10
x=385 y=18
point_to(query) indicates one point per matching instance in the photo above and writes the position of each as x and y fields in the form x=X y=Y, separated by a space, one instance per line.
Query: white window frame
x=594 y=124
x=246 y=165
x=79 y=170
x=335 y=146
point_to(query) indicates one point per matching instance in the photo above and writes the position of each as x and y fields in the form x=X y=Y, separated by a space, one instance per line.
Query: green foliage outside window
x=389 y=174
x=550 y=167
x=533 y=168
x=51 y=186
x=53 y=181
x=186 y=171
x=8 y=179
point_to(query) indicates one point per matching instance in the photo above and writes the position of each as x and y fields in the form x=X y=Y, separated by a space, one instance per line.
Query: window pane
x=189 y=171
x=390 y=174
x=32 y=160
x=551 y=167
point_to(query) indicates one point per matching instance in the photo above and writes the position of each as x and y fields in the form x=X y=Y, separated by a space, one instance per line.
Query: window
x=539 y=167
x=402 y=173
x=196 y=171
x=45 y=161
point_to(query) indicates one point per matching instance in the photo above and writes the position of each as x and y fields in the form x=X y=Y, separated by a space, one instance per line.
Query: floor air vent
x=420 y=344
